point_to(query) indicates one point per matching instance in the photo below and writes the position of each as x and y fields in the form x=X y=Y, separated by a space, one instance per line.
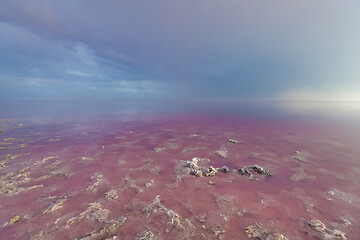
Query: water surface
x=117 y=170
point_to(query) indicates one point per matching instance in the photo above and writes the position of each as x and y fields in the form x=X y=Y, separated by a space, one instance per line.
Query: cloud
x=39 y=81
x=195 y=49
x=78 y=73
x=324 y=94
x=32 y=61
x=144 y=86
x=85 y=55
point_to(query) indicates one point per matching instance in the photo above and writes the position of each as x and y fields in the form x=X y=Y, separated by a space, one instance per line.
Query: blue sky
x=207 y=50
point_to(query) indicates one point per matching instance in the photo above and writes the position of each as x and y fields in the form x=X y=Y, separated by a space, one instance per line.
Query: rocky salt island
x=193 y=169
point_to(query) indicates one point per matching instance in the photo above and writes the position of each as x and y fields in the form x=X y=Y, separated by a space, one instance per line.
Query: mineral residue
x=77 y=189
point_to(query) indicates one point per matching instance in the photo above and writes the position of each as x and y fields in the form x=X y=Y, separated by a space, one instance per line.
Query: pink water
x=62 y=157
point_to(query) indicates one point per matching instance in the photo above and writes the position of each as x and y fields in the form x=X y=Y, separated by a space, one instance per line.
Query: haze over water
x=106 y=170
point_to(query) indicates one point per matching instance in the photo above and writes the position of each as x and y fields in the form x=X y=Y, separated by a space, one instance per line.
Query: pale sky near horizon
x=208 y=49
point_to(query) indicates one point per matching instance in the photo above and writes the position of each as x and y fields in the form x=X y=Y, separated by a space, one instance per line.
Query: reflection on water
x=134 y=109
x=91 y=170
x=338 y=111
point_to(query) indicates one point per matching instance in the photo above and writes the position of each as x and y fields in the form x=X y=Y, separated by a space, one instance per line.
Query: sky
x=184 y=50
